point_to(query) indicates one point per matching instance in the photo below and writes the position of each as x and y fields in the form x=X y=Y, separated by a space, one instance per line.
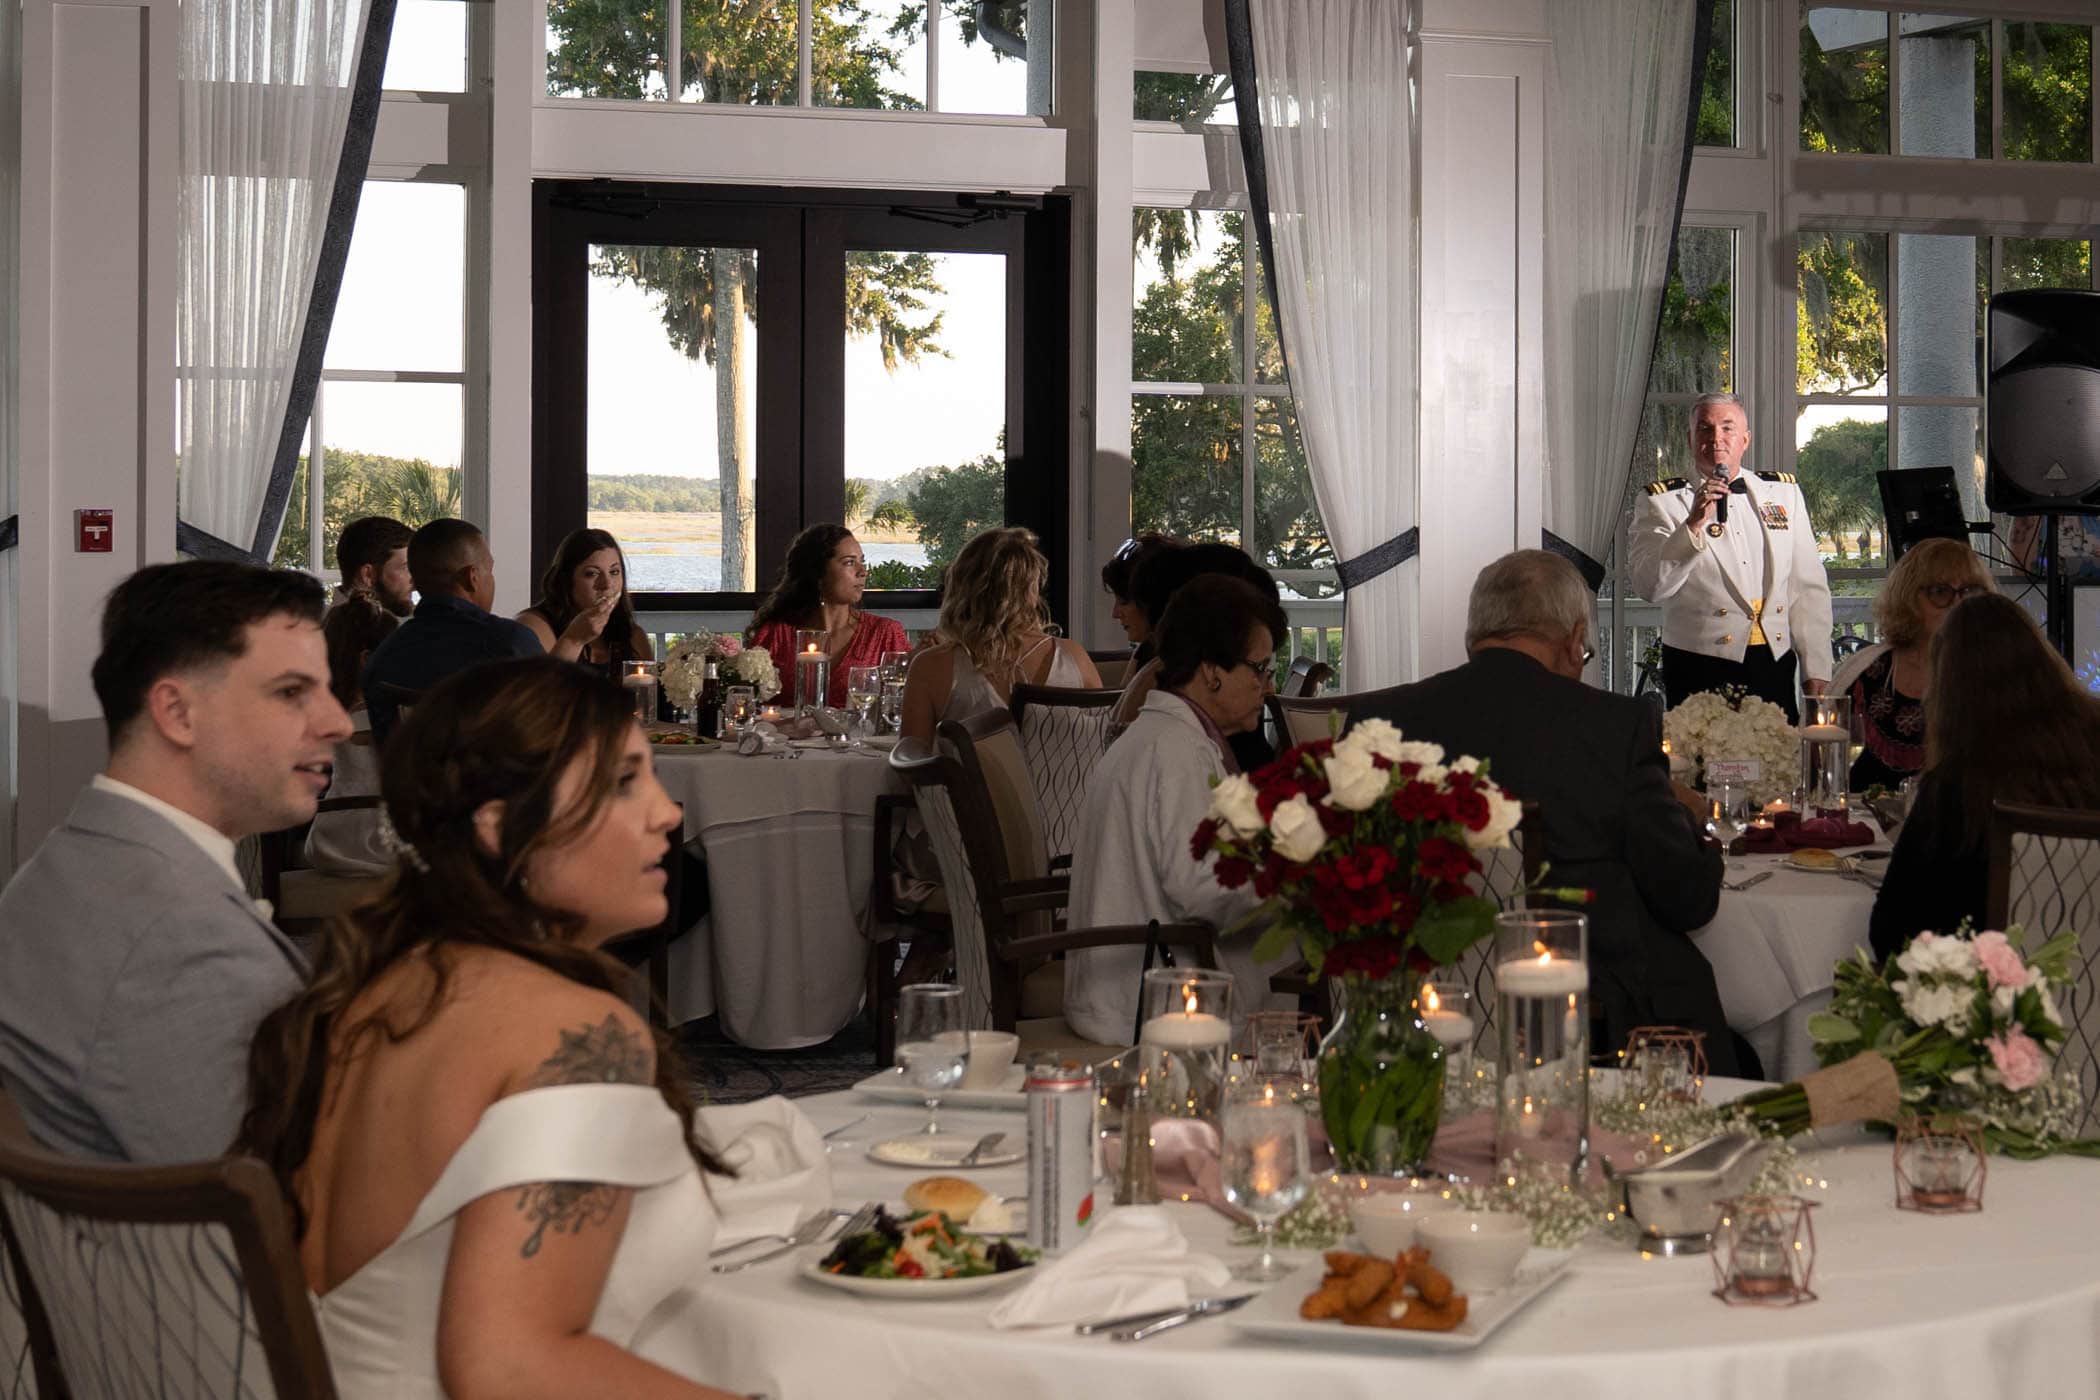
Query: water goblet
x=1727 y=806
x=1263 y=1165
x=931 y=1063
x=863 y=688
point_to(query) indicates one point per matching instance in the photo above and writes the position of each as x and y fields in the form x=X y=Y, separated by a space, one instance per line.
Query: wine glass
x=1727 y=821
x=931 y=1064
x=892 y=703
x=1263 y=1165
x=862 y=690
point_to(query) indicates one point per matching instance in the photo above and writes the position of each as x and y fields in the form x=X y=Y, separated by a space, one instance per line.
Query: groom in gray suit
x=133 y=965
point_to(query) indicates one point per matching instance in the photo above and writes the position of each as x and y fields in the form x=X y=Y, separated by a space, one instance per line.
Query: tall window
x=1215 y=452
x=388 y=431
x=968 y=56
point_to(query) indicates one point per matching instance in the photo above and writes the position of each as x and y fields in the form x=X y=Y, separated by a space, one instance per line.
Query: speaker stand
x=2057 y=589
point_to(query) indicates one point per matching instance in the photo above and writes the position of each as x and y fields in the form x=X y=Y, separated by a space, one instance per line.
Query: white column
x=97 y=337
x=501 y=503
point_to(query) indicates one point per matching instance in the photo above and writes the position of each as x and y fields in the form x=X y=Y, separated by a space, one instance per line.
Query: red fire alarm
x=97 y=531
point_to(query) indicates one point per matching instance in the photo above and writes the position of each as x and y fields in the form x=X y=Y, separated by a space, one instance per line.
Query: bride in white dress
x=492 y=1156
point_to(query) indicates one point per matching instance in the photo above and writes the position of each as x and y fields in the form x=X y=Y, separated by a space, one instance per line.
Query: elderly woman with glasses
x=1887 y=681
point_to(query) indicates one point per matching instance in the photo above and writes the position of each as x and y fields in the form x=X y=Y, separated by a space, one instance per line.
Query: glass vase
x=1381 y=1078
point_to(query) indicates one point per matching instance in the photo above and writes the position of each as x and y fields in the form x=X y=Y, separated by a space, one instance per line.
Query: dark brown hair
x=504 y=732
x=1119 y=574
x=557 y=600
x=439 y=552
x=796 y=597
x=2006 y=720
x=175 y=617
x=369 y=539
x=1212 y=618
x=352 y=628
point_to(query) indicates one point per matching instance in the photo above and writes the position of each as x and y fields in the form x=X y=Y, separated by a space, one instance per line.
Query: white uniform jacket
x=1708 y=584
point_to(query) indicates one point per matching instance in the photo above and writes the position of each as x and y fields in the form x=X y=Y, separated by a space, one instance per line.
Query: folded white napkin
x=783 y=1174
x=1134 y=1260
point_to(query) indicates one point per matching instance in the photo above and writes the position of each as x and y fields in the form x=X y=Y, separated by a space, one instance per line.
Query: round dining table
x=2005 y=1302
x=789 y=840
x=1774 y=944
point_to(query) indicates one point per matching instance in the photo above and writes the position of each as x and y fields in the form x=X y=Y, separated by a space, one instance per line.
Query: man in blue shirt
x=452 y=629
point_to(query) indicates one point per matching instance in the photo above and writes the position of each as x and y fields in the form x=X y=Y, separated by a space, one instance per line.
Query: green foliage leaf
x=1826 y=1028
x=1445 y=931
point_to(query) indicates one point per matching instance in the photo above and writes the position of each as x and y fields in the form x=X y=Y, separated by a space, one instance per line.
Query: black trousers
x=1686 y=673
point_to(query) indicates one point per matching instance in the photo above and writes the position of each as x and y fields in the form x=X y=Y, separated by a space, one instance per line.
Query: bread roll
x=951 y=1195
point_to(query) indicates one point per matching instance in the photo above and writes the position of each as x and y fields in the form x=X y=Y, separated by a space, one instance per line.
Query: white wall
x=97 y=338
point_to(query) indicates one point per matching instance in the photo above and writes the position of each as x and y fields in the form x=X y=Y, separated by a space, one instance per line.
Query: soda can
x=1060 y=1154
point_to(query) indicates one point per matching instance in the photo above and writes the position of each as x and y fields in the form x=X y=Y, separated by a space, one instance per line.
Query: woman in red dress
x=820 y=587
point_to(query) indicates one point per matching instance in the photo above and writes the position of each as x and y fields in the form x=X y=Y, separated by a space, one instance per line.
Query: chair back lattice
x=1303 y=719
x=162 y=1282
x=1063 y=735
x=1505 y=877
x=2045 y=877
x=936 y=804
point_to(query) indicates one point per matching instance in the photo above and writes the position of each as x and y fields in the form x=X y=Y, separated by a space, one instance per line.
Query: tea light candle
x=1450 y=1027
x=1543 y=976
x=1825 y=733
x=1776 y=806
x=1761 y=1268
x=1186 y=1030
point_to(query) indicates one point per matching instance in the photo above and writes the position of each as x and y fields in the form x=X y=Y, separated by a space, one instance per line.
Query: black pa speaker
x=2042 y=409
x=1921 y=503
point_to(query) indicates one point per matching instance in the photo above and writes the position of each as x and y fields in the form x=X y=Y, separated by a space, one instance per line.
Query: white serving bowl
x=1478 y=1249
x=991 y=1055
x=1388 y=1221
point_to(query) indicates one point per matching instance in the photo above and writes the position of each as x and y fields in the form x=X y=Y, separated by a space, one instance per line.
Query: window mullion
x=803 y=84
x=1997 y=97
x=1895 y=85
x=674 y=51
x=933 y=55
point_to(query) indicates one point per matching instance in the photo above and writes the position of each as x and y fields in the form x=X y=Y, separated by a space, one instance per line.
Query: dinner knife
x=1195 y=1312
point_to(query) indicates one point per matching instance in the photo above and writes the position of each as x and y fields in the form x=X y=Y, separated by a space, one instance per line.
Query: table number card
x=1737 y=771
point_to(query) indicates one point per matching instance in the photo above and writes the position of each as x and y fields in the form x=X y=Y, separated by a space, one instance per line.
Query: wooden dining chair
x=2045 y=877
x=1112 y=665
x=1306 y=678
x=175 y=1282
x=1506 y=877
x=1063 y=733
x=300 y=894
x=1001 y=911
x=1302 y=719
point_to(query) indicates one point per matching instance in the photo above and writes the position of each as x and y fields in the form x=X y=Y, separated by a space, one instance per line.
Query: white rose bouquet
x=685 y=667
x=1716 y=724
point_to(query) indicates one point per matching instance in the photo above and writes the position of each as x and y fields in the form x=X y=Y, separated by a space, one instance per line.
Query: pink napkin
x=1184 y=1160
x=1465 y=1147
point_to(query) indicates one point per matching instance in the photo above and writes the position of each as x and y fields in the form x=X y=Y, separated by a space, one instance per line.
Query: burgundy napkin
x=1826 y=832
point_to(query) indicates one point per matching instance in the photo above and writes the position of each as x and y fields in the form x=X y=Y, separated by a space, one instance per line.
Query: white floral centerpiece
x=1729 y=725
x=685 y=667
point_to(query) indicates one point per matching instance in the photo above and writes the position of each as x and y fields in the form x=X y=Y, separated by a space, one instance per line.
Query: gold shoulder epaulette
x=1673 y=483
x=1784 y=478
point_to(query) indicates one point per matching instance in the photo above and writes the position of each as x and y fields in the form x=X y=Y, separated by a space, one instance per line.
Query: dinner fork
x=807 y=1233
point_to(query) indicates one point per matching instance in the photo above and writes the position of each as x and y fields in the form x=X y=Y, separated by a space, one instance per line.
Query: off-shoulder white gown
x=380 y=1324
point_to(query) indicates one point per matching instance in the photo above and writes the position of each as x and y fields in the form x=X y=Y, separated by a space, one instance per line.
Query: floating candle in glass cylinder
x=1184 y=1039
x=1542 y=981
x=812 y=669
x=1826 y=752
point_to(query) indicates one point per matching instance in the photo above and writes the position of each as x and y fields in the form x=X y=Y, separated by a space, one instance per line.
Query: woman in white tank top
x=993 y=635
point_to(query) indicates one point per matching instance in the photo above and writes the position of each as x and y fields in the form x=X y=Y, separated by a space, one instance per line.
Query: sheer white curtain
x=1336 y=124
x=1616 y=128
x=265 y=94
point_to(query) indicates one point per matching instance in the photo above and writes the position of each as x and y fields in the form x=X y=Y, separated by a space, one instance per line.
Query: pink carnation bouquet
x=1962 y=1023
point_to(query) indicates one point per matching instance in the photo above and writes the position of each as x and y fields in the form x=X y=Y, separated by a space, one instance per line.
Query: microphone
x=1721 y=509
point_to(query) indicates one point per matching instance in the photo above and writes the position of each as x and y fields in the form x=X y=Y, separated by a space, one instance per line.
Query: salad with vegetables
x=928 y=1245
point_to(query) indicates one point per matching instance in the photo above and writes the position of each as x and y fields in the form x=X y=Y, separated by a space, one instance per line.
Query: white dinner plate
x=889 y=1084
x=1274 y=1315
x=943 y=1150
x=918 y=1290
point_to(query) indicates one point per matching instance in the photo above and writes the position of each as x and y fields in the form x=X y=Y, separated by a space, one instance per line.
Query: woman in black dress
x=1887 y=683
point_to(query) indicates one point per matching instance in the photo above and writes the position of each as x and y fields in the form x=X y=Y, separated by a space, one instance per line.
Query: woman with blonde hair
x=994 y=634
x=1887 y=681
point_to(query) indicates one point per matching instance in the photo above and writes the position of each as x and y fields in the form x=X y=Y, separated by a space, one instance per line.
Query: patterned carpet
x=726 y=1072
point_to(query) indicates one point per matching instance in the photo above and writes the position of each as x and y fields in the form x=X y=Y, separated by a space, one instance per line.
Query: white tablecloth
x=790 y=853
x=2004 y=1303
x=1773 y=947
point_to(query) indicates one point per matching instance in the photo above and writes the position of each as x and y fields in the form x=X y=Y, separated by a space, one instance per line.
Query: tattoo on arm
x=565 y=1207
x=607 y=1053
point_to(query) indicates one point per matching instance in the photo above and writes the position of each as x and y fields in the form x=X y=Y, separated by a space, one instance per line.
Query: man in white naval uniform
x=1742 y=598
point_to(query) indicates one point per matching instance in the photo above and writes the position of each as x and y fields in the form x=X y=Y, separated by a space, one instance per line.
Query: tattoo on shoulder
x=564 y=1207
x=607 y=1053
